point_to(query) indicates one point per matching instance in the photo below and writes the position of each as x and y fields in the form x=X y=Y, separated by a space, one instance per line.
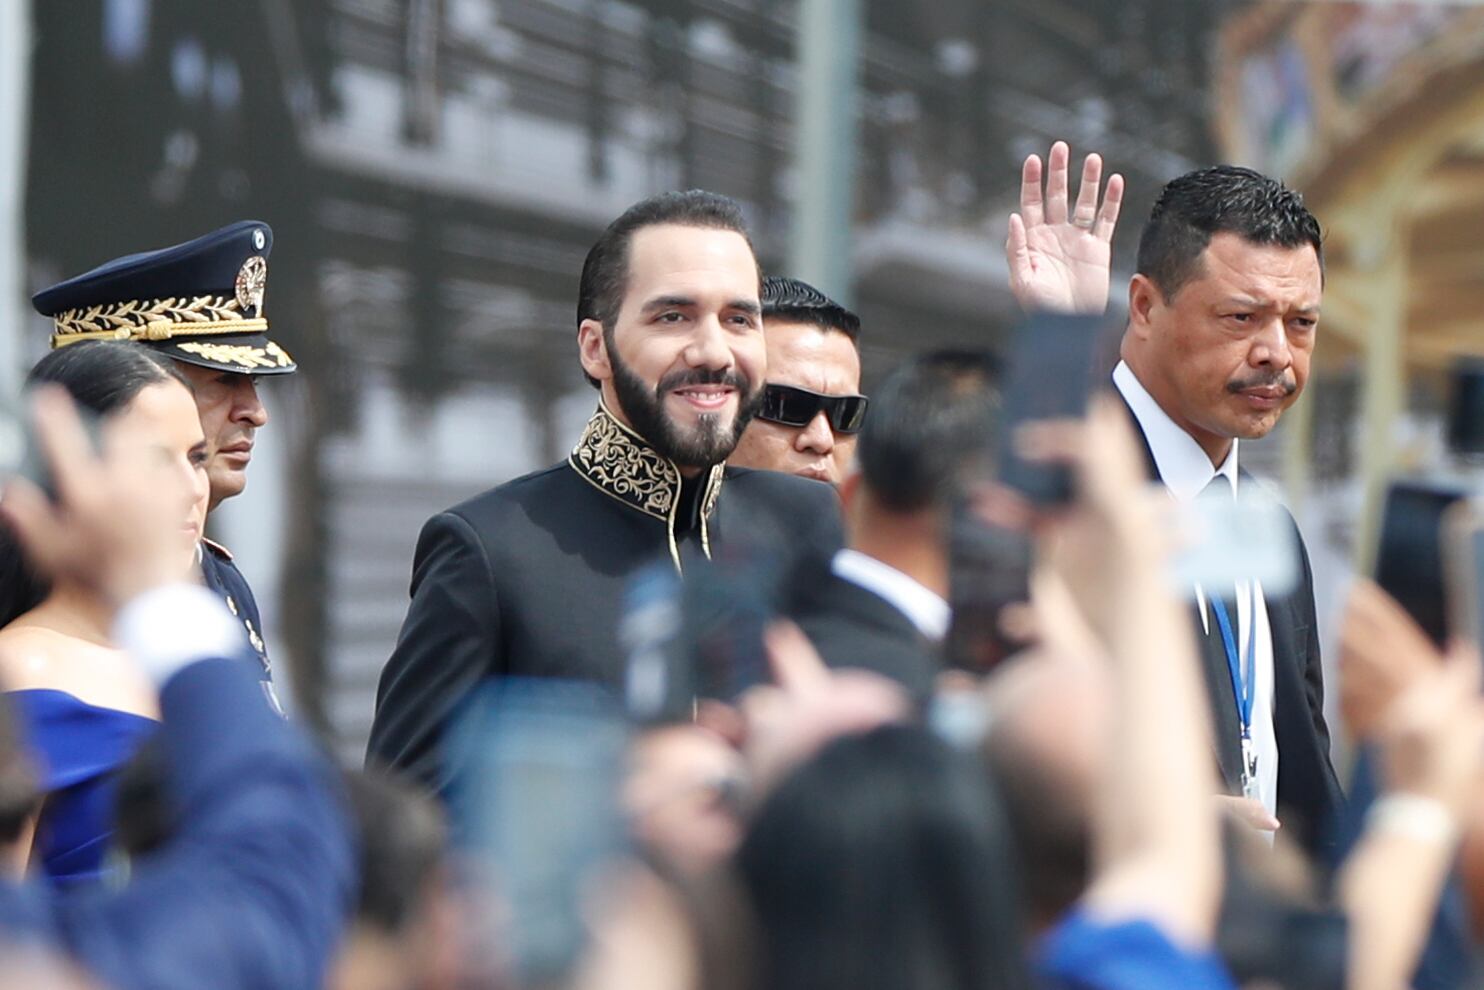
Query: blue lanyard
x=1244 y=677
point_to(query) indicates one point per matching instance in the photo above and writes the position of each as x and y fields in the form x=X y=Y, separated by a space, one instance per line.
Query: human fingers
x=36 y=522
x=1249 y=812
x=1085 y=213
x=795 y=663
x=1463 y=664
x=1112 y=203
x=1053 y=441
x=1112 y=450
x=1031 y=204
x=1056 y=183
x=1017 y=250
x=64 y=443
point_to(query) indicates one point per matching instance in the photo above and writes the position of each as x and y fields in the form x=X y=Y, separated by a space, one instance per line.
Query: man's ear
x=1143 y=298
x=592 y=350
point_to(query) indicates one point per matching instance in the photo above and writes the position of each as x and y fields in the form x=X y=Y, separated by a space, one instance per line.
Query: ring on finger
x=1085 y=223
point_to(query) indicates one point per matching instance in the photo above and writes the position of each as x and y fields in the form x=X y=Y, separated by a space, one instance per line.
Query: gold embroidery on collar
x=616 y=462
x=619 y=463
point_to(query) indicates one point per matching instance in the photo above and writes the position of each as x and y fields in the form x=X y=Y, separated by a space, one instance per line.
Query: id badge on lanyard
x=1243 y=670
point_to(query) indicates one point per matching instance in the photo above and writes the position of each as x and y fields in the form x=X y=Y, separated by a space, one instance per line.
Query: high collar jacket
x=529 y=579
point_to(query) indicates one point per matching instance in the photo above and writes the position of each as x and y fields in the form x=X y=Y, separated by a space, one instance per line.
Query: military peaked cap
x=200 y=302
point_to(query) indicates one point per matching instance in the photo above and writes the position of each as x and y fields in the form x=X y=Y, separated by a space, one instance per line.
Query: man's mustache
x=1282 y=380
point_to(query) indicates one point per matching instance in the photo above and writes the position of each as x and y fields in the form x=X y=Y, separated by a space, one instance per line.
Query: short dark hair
x=403 y=840
x=926 y=436
x=797 y=301
x=102 y=376
x=1221 y=199
x=885 y=863
x=605 y=272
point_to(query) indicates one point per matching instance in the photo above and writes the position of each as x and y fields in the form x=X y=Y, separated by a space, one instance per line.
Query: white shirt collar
x=925 y=607
x=1183 y=465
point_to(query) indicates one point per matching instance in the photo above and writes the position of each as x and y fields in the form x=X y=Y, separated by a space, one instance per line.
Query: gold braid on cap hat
x=164 y=319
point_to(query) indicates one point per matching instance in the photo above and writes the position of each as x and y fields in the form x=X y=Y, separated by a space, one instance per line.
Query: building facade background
x=435 y=170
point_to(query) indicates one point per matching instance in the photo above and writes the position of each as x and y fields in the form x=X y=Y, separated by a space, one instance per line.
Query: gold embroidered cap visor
x=200 y=302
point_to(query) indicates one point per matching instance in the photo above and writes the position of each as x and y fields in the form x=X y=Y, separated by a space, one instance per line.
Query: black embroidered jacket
x=528 y=579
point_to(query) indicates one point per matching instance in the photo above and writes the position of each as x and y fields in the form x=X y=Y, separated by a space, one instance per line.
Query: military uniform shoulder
x=216 y=550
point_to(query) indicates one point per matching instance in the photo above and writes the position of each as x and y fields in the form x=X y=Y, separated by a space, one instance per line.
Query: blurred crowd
x=1005 y=675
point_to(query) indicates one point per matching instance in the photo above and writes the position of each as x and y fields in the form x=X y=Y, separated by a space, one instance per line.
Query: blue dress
x=1083 y=953
x=79 y=749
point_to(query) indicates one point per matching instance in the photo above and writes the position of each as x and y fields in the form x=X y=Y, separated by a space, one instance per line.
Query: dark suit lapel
x=872 y=610
x=1217 y=674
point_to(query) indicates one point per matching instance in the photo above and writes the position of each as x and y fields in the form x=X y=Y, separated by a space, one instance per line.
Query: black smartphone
x=700 y=637
x=21 y=455
x=1409 y=560
x=539 y=811
x=1054 y=365
x=989 y=570
x=1466 y=407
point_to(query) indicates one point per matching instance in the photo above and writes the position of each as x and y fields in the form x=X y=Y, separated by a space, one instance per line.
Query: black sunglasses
x=798 y=406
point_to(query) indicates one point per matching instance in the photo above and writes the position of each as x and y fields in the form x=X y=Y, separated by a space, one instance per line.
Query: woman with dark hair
x=884 y=863
x=84 y=706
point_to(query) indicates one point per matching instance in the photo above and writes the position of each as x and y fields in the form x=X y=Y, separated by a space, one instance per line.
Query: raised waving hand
x=1060 y=254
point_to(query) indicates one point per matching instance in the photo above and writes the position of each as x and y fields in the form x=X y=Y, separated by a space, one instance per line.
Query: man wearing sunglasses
x=811 y=408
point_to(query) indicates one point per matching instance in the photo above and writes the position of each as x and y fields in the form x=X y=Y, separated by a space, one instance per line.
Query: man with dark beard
x=528 y=579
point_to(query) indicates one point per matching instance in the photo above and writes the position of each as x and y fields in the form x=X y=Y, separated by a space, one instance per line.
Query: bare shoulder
x=36 y=657
x=33 y=655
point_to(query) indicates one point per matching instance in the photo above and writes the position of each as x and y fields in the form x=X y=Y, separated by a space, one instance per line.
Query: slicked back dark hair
x=605 y=272
x=1220 y=199
x=927 y=434
x=796 y=301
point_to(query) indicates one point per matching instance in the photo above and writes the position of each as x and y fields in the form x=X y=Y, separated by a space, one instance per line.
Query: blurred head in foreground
x=402 y=933
x=884 y=864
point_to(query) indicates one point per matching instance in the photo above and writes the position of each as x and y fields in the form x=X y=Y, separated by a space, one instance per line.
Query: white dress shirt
x=1186 y=471
x=924 y=607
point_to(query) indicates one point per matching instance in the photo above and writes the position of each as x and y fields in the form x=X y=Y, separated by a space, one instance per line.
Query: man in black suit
x=529 y=579
x=884 y=605
x=1223 y=312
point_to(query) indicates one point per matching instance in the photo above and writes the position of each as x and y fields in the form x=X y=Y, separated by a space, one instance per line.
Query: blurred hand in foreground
x=108 y=530
x=1432 y=735
x=807 y=705
x=1383 y=652
x=1061 y=260
x=1114 y=524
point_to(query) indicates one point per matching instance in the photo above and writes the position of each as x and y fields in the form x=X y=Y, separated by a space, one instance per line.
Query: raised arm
x=1156 y=846
x=1422 y=711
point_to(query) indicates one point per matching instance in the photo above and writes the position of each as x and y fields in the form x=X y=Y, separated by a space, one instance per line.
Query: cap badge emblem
x=252 y=283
